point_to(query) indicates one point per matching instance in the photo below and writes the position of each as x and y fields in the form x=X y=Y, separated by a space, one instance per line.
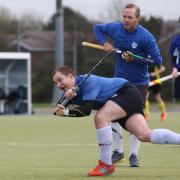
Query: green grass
x=53 y=148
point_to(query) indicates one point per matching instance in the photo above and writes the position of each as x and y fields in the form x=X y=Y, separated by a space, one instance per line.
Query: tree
x=7 y=21
x=30 y=22
x=70 y=18
x=153 y=24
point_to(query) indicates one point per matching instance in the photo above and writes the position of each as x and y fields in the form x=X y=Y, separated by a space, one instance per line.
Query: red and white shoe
x=102 y=170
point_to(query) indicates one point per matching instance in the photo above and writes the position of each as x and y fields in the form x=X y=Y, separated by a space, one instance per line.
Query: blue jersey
x=98 y=89
x=140 y=42
x=175 y=50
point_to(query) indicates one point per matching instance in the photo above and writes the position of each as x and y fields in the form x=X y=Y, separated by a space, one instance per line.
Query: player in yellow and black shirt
x=154 y=73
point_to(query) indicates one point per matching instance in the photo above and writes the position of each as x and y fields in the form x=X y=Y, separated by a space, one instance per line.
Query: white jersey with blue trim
x=97 y=88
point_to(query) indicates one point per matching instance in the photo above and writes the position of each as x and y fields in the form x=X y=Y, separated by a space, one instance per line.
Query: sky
x=92 y=9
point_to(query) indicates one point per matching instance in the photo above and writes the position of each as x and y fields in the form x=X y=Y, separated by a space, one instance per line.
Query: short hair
x=65 y=70
x=131 y=5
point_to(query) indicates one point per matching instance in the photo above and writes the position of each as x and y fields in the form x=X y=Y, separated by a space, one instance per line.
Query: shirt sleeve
x=81 y=110
x=154 y=52
x=103 y=30
x=151 y=51
x=173 y=51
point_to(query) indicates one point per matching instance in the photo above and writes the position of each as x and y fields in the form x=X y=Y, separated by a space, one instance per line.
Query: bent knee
x=99 y=120
x=144 y=137
x=98 y=116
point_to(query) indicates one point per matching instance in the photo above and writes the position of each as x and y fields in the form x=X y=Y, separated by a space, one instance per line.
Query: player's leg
x=118 y=153
x=138 y=126
x=127 y=101
x=134 y=142
x=147 y=107
x=162 y=106
x=134 y=150
x=110 y=111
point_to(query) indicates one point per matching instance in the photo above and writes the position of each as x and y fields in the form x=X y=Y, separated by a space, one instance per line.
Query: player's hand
x=153 y=74
x=108 y=46
x=61 y=111
x=175 y=72
x=127 y=57
x=70 y=93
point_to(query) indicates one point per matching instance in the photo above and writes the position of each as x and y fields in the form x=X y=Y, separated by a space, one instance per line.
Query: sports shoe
x=133 y=160
x=163 y=116
x=102 y=170
x=117 y=157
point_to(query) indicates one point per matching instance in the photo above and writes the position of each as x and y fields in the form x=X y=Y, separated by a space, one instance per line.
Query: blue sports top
x=140 y=42
x=175 y=51
x=96 y=88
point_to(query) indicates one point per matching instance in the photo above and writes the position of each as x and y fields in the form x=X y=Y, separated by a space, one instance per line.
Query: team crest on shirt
x=134 y=45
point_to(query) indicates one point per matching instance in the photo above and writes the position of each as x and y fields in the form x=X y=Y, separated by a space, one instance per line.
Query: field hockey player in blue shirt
x=118 y=98
x=129 y=37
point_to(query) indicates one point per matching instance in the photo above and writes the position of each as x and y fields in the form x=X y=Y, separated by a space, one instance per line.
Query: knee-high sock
x=162 y=106
x=164 y=136
x=134 y=144
x=147 y=108
x=117 y=137
x=104 y=137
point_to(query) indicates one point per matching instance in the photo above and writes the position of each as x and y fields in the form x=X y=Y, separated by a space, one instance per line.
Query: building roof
x=39 y=40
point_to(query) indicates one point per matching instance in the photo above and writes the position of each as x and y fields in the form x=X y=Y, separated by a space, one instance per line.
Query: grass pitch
x=54 y=148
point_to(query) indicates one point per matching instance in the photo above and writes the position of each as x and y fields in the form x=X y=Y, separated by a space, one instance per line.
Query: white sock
x=164 y=136
x=134 y=144
x=104 y=137
x=117 y=137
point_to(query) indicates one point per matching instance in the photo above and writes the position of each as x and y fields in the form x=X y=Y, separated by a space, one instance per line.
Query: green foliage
x=71 y=19
x=42 y=84
x=153 y=24
x=30 y=22
x=7 y=22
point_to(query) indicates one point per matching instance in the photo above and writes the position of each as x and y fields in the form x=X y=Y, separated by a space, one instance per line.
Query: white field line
x=46 y=144
x=22 y=167
x=75 y=144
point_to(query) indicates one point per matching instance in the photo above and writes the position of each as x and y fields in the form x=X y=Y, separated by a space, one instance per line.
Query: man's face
x=64 y=82
x=130 y=20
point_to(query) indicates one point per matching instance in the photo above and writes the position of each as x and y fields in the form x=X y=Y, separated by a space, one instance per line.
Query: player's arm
x=161 y=69
x=78 y=111
x=173 y=61
x=152 y=51
x=174 y=56
x=173 y=51
x=102 y=31
x=158 y=71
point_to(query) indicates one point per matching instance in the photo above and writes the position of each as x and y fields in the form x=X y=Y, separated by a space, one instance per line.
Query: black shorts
x=143 y=90
x=156 y=89
x=130 y=100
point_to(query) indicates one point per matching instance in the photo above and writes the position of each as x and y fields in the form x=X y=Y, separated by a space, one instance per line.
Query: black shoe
x=133 y=160
x=117 y=157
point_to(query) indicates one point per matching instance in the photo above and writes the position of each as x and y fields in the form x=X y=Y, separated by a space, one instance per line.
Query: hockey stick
x=96 y=46
x=63 y=101
x=160 y=80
